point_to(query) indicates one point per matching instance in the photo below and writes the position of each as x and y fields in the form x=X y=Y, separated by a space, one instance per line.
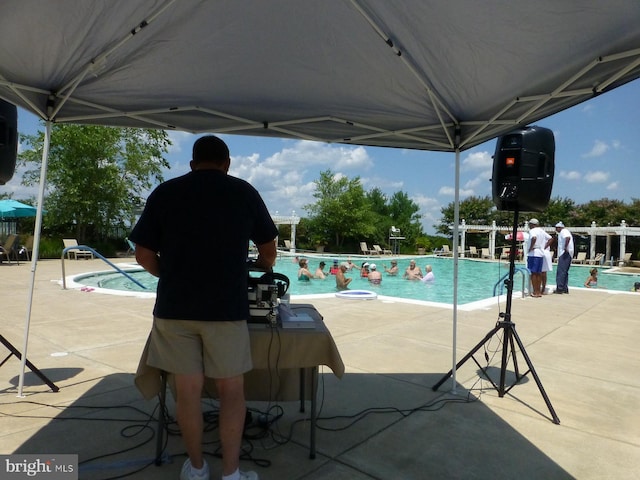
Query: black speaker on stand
x=523 y=167
x=8 y=140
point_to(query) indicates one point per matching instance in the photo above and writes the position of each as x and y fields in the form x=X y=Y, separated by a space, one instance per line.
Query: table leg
x=302 y=392
x=162 y=407
x=314 y=391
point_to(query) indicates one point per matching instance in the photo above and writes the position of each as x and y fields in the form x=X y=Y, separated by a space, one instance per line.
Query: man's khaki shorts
x=217 y=349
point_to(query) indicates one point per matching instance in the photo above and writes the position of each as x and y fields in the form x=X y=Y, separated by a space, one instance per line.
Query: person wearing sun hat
x=535 y=246
x=565 y=254
x=364 y=270
x=342 y=282
x=375 y=277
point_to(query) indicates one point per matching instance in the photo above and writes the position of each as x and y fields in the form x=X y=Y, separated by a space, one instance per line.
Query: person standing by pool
x=565 y=254
x=199 y=327
x=429 y=277
x=536 y=244
x=393 y=270
x=342 y=282
x=412 y=272
x=375 y=277
x=547 y=264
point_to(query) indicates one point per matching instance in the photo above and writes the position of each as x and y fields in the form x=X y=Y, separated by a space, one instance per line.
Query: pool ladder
x=525 y=275
x=89 y=249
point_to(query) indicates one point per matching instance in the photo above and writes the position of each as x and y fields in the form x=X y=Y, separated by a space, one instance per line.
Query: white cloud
x=571 y=175
x=451 y=191
x=282 y=180
x=599 y=148
x=430 y=210
x=178 y=139
x=482 y=179
x=613 y=186
x=477 y=161
x=596 y=177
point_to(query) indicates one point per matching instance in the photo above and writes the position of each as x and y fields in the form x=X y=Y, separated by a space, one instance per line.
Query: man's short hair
x=210 y=149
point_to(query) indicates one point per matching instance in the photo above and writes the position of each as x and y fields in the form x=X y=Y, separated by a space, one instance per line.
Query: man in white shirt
x=565 y=254
x=536 y=244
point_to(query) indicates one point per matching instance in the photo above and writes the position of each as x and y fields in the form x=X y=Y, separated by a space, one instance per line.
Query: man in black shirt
x=201 y=307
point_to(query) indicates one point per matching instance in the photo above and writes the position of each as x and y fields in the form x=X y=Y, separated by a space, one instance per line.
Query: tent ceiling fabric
x=406 y=73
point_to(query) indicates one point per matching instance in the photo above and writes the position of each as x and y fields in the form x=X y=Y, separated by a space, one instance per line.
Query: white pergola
x=623 y=231
x=292 y=220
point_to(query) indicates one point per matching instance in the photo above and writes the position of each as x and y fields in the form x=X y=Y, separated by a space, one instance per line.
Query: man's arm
x=267 y=254
x=148 y=259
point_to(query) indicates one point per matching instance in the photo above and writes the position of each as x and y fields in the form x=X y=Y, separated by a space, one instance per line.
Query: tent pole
x=456 y=221
x=36 y=250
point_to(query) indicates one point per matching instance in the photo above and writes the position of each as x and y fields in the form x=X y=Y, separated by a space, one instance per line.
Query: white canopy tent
x=419 y=74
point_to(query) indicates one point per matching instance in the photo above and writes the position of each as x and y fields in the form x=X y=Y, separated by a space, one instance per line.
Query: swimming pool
x=476 y=279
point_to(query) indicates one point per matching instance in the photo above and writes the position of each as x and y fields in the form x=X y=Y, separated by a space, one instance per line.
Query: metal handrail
x=500 y=282
x=89 y=249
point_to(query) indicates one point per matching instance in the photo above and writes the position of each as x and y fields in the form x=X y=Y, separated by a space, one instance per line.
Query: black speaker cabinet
x=8 y=140
x=523 y=167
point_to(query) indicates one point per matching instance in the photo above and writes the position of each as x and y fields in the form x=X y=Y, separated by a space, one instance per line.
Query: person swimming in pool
x=304 y=275
x=342 y=282
x=412 y=272
x=375 y=277
x=320 y=271
x=592 y=279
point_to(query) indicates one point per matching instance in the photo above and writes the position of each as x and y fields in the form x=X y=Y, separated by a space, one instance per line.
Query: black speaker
x=8 y=140
x=523 y=167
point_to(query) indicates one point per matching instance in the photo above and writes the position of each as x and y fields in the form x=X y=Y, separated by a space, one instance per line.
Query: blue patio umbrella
x=10 y=209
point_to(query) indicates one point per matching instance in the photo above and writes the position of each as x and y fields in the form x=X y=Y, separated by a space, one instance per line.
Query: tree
x=96 y=176
x=606 y=212
x=404 y=214
x=474 y=210
x=341 y=212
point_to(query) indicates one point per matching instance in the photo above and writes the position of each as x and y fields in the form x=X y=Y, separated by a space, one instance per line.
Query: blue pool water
x=476 y=279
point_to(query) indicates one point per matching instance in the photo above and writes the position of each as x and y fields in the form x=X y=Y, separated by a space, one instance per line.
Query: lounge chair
x=626 y=259
x=506 y=253
x=27 y=248
x=597 y=260
x=485 y=253
x=473 y=252
x=75 y=253
x=581 y=257
x=8 y=249
x=381 y=251
x=445 y=251
x=364 y=248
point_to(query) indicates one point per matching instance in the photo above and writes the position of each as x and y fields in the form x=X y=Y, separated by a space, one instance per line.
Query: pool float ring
x=358 y=294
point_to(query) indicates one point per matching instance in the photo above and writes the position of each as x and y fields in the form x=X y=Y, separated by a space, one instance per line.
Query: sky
x=597 y=156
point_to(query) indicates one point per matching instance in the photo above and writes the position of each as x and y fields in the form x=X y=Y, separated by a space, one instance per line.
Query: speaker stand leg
x=508 y=338
x=32 y=367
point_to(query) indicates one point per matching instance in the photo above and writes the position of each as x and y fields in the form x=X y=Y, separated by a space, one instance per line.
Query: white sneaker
x=187 y=472
x=248 y=476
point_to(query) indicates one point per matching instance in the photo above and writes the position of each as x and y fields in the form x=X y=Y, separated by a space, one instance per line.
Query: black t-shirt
x=201 y=224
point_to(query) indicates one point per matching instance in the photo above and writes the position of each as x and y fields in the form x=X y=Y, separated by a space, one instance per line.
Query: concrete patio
x=382 y=420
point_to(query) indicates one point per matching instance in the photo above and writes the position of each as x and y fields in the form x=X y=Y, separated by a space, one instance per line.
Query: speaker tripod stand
x=14 y=351
x=509 y=340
